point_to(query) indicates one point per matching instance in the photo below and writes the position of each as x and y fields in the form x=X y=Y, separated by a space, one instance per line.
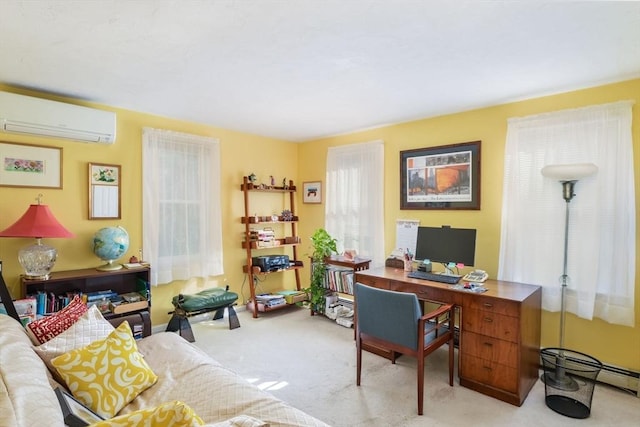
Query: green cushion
x=208 y=299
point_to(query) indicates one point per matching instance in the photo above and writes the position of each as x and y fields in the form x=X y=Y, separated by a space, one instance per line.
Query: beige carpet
x=309 y=362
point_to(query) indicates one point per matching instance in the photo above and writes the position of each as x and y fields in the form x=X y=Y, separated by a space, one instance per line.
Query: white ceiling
x=303 y=69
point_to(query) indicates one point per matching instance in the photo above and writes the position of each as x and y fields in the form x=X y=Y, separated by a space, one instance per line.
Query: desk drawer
x=491 y=349
x=489 y=373
x=478 y=302
x=491 y=324
x=374 y=282
x=428 y=293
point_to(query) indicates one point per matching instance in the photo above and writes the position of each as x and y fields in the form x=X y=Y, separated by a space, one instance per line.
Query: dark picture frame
x=442 y=177
x=74 y=412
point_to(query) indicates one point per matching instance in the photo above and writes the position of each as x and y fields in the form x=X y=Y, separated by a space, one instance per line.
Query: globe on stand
x=109 y=244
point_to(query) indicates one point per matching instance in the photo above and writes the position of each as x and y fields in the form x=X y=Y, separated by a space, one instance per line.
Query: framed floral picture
x=26 y=165
x=104 y=191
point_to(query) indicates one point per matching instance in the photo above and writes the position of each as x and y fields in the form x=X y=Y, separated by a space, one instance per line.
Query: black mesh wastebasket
x=569 y=380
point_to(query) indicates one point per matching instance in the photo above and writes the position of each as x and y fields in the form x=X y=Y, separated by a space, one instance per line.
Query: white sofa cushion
x=26 y=397
x=90 y=327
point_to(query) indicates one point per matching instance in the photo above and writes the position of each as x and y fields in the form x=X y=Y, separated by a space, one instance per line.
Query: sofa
x=184 y=373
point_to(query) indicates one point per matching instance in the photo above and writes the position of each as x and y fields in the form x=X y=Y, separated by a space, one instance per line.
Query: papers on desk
x=406 y=235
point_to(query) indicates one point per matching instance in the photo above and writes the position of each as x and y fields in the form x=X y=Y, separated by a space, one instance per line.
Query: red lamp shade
x=38 y=222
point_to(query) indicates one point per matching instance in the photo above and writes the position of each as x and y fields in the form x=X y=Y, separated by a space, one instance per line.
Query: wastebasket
x=569 y=380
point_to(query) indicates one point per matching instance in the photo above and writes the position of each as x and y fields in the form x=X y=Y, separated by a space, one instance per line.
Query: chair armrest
x=437 y=312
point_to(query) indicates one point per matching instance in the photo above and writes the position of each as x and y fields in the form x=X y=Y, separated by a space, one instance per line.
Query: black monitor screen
x=446 y=244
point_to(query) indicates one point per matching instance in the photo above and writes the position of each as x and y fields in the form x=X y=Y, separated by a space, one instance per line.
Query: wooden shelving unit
x=91 y=280
x=251 y=246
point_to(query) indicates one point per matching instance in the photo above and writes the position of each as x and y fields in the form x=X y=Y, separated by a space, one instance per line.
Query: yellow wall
x=241 y=154
x=616 y=345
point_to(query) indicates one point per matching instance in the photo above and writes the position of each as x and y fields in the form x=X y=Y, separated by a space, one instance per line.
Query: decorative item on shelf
x=109 y=244
x=285 y=186
x=287 y=215
x=272 y=181
x=350 y=254
x=561 y=360
x=252 y=178
x=38 y=259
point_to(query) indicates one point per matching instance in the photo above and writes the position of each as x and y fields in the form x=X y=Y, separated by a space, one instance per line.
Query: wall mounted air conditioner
x=36 y=116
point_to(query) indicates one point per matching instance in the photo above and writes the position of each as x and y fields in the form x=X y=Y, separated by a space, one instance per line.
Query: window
x=601 y=249
x=182 y=232
x=354 y=193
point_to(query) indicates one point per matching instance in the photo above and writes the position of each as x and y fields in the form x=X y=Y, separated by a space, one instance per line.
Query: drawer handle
x=488 y=319
x=488 y=344
x=487 y=368
x=488 y=305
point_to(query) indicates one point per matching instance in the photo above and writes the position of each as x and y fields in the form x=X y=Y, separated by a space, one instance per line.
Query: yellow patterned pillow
x=170 y=414
x=107 y=374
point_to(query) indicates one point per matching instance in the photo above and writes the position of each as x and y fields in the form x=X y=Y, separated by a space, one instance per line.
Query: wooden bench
x=213 y=299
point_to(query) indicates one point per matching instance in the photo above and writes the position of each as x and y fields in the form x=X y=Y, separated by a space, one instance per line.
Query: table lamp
x=38 y=259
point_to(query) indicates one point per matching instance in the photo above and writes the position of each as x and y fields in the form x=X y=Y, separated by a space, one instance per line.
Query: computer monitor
x=445 y=244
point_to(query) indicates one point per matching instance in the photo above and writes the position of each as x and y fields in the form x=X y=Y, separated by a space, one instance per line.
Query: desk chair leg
x=451 y=350
x=358 y=359
x=420 y=382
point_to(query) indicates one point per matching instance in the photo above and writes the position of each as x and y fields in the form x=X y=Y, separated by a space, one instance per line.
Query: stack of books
x=271 y=300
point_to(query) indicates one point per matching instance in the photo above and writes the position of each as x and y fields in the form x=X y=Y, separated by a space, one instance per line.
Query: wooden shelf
x=256 y=270
x=89 y=280
x=262 y=308
x=267 y=189
x=290 y=242
x=263 y=220
x=276 y=244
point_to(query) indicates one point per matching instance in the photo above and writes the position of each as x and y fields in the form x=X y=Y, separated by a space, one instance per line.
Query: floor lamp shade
x=569 y=172
x=38 y=222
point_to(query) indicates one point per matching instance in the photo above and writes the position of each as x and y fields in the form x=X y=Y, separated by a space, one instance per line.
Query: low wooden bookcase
x=84 y=281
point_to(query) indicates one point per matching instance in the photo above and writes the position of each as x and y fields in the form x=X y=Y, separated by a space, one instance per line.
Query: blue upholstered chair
x=394 y=321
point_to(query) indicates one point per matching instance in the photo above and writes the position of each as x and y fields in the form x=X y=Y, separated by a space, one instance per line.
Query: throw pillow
x=42 y=330
x=90 y=327
x=107 y=374
x=170 y=414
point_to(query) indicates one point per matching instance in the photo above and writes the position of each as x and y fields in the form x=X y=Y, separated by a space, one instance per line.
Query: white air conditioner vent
x=36 y=116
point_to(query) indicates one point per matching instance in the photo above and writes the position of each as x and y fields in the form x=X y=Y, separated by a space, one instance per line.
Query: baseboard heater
x=623 y=379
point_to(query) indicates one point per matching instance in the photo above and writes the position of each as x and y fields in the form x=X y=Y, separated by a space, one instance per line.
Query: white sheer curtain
x=601 y=251
x=182 y=231
x=355 y=198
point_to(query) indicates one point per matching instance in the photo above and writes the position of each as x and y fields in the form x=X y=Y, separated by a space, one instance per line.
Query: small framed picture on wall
x=312 y=192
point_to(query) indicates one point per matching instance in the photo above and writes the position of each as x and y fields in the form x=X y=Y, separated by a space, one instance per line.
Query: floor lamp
x=568 y=175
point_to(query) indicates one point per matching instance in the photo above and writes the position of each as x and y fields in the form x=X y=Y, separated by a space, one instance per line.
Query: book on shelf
x=127 y=307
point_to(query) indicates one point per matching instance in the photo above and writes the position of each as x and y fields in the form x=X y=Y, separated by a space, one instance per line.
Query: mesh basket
x=569 y=380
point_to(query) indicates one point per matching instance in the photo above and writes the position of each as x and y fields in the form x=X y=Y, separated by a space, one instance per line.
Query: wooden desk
x=499 y=346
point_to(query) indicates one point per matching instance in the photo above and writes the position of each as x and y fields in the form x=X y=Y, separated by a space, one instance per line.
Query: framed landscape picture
x=443 y=177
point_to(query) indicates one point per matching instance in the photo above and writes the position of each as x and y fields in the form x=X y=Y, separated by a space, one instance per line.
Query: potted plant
x=323 y=246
